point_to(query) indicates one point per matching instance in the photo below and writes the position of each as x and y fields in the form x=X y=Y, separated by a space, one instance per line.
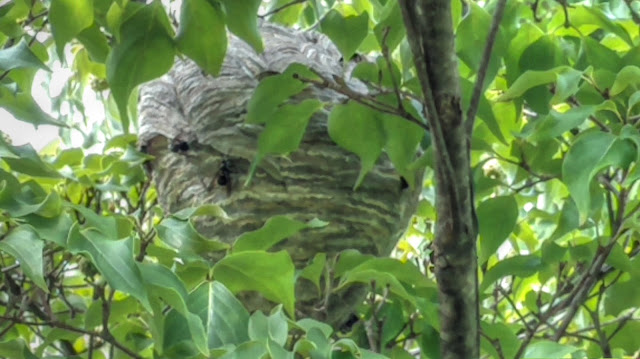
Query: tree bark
x=430 y=33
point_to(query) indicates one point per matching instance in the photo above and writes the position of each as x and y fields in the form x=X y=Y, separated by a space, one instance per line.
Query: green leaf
x=242 y=20
x=585 y=158
x=382 y=279
x=95 y=42
x=556 y=123
x=224 y=318
x=274 y=327
x=497 y=217
x=403 y=138
x=145 y=52
x=471 y=37
x=25 y=159
x=274 y=90
x=271 y=274
x=166 y=285
x=346 y=32
x=627 y=338
x=24 y=244
x=274 y=230
x=68 y=18
x=202 y=35
x=357 y=129
x=314 y=271
x=520 y=266
x=628 y=76
x=530 y=79
x=586 y=17
x=22 y=106
x=181 y=234
x=622 y=295
x=568 y=220
x=16 y=349
x=390 y=28
x=548 y=349
x=113 y=258
x=20 y=56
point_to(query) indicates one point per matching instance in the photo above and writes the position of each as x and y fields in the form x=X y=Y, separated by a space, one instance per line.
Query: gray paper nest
x=194 y=125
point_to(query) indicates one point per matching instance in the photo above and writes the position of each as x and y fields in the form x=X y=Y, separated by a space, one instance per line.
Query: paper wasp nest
x=194 y=125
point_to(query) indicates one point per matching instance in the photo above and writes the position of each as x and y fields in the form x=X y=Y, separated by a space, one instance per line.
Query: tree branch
x=484 y=65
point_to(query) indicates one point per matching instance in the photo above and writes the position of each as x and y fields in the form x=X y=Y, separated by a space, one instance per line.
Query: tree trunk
x=430 y=33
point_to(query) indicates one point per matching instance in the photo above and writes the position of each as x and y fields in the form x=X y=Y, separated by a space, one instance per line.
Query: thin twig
x=484 y=65
x=280 y=8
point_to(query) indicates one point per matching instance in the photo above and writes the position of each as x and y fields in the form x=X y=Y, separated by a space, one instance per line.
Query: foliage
x=92 y=267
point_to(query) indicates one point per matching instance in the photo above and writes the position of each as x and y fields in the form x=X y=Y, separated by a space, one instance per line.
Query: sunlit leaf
x=357 y=129
x=26 y=247
x=68 y=18
x=20 y=56
x=271 y=274
x=202 y=34
x=145 y=52
x=495 y=229
x=242 y=20
x=336 y=26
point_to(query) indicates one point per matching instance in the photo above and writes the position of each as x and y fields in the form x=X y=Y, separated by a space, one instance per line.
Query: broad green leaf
x=622 y=295
x=585 y=17
x=314 y=271
x=520 y=266
x=591 y=152
x=16 y=349
x=357 y=129
x=113 y=258
x=68 y=18
x=271 y=274
x=628 y=76
x=346 y=32
x=471 y=37
x=95 y=42
x=531 y=79
x=26 y=247
x=23 y=107
x=568 y=220
x=497 y=217
x=20 y=56
x=405 y=272
x=252 y=349
x=274 y=327
x=202 y=34
x=288 y=14
x=273 y=91
x=627 y=338
x=547 y=349
x=274 y=230
x=600 y=56
x=390 y=29
x=485 y=112
x=223 y=317
x=181 y=234
x=556 y=123
x=284 y=131
x=242 y=20
x=25 y=159
x=145 y=52
x=618 y=259
x=382 y=279
x=402 y=139
x=55 y=229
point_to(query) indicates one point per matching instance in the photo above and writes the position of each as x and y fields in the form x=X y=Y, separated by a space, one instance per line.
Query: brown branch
x=484 y=65
x=61 y=325
x=362 y=99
